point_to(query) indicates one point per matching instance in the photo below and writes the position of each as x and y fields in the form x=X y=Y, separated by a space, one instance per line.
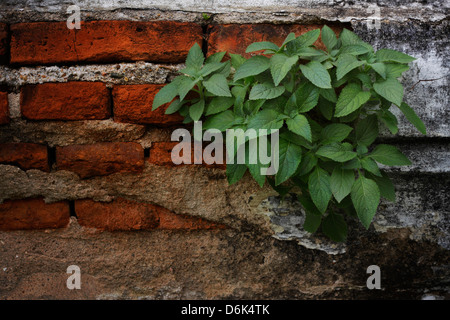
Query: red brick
x=160 y=154
x=31 y=214
x=3 y=43
x=120 y=214
x=65 y=101
x=4 y=109
x=126 y=215
x=133 y=103
x=25 y=155
x=101 y=159
x=103 y=41
x=235 y=38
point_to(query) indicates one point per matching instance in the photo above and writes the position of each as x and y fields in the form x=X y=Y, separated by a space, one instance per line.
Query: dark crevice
x=72 y=209
x=146 y=152
x=51 y=157
x=111 y=103
x=205 y=29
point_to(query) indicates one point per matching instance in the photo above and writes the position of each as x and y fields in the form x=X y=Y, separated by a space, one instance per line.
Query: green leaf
x=195 y=57
x=389 y=120
x=220 y=121
x=174 y=106
x=263 y=45
x=335 y=132
x=289 y=38
x=307 y=39
x=306 y=97
x=335 y=227
x=354 y=49
x=218 y=85
x=365 y=196
x=387 y=189
x=265 y=91
x=319 y=188
x=166 y=93
x=299 y=125
x=237 y=60
x=196 y=110
x=326 y=108
x=413 y=118
x=290 y=156
x=185 y=85
x=219 y=104
x=390 y=89
x=312 y=221
x=253 y=66
x=389 y=55
x=210 y=68
x=379 y=68
x=389 y=155
x=329 y=38
x=216 y=57
x=348 y=38
x=316 y=73
x=336 y=152
x=367 y=130
x=266 y=119
x=308 y=162
x=394 y=70
x=371 y=166
x=345 y=64
x=328 y=94
x=280 y=65
x=235 y=172
x=351 y=99
x=341 y=182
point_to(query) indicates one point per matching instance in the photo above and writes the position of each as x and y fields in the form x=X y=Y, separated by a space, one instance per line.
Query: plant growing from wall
x=328 y=106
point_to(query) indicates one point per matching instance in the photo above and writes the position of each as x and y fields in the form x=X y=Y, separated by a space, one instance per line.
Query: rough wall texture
x=86 y=180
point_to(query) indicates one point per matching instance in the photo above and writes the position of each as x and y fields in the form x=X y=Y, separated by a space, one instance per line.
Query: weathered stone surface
x=31 y=214
x=218 y=264
x=65 y=101
x=100 y=159
x=25 y=155
x=102 y=41
x=133 y=104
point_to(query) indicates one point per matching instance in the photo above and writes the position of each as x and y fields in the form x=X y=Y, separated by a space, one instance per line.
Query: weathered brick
x=126 y=215
x=160 y=154
x=101 y=159
x=235 y=38
x=31 y=214
x=3 y=43
x=4 y=109
x=120 y=214
x=133 y=103
x=103 y=41
x=25 y=155
x=65 y=101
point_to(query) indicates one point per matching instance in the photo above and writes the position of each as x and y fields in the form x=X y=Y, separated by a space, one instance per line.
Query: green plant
x=328 y=106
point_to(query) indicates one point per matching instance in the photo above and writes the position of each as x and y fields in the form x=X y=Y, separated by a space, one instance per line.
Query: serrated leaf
x=265 y=91
x=290 y=156
x=266 y=119
x=335 y=132
x=336 y=152
x=365 y=196
x=351 y=99
x=316 y=73
x=367 y=130
x=253 y=66
x=390 y=89
x=195 y=57
x=335 y=227
x=220 y=121
x=341 y=182
x=371 y=166
x=219 y=104
x=319 y=188
x=354 y=49
x=185 y=85
x=329 y=38
x=389 y=120
x=210 y=68
x=345 y=64
x=395 y=70
x=196 y=110
x=216 y=57
x=280 y=65
x=389 y=155
x=299 y=125
x=389 y=55
x=174 y=106
x=348 y=38
x=312 y=221
x=326 y=108
x=263 y=45
x=387 y=189
x=166 y=93
x=379 y=68
x=329 y=94
x=235 y=172
x=412 y=117
x=218 y=85
x=237 y=60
